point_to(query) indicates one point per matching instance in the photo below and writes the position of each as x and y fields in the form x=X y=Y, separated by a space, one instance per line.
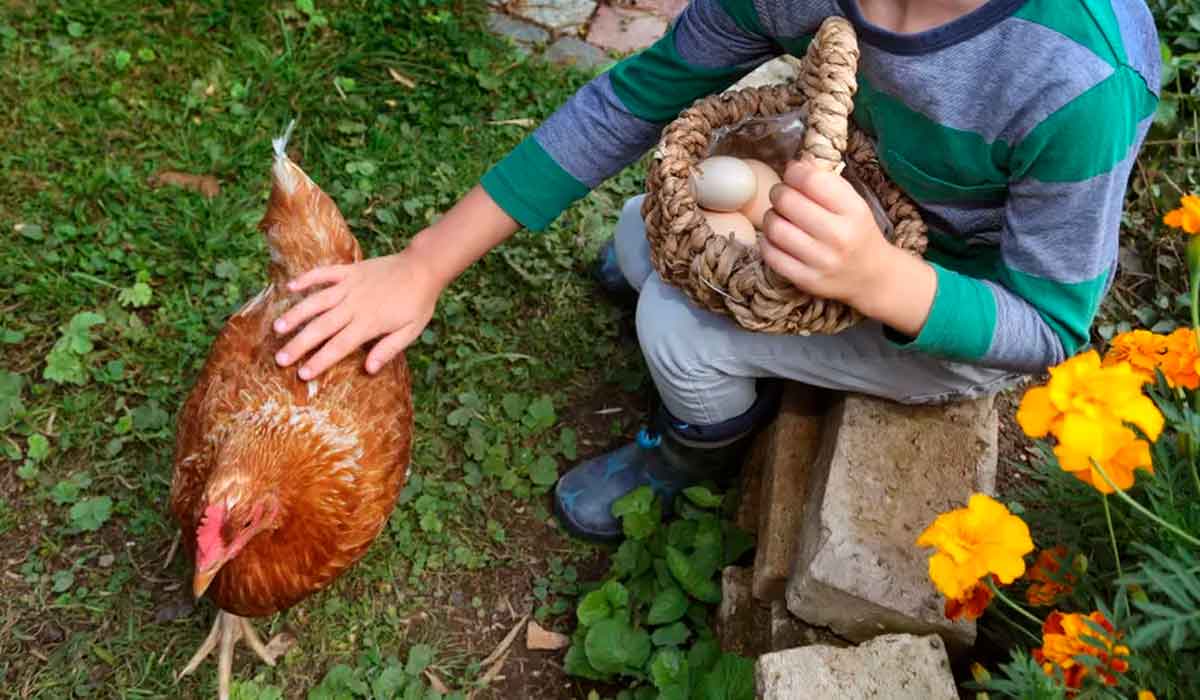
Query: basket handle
x=828 y=83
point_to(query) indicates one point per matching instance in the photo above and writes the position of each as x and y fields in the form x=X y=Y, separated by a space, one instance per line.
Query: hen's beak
x=202 y=579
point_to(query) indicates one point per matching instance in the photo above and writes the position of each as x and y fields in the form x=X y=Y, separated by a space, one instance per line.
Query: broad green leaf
x=91 y=513
x=668 y=606
x=703 y=497
x=419 y=658
x=637 y=501
x=576 y=664
x=65 y=492
x=703 y=654
x=136 y=296
x=567 y=443
x=593 y=607
x=64 y=367
x=699 y=587
x=613 y=646
x=540 y=414
x=39 y=447
x=669 y=673
x=544 y=471
x=617 y=595
x=672 y=635
x=514 y=406
x=631 y=559
x=62 y=581
x=149 y=416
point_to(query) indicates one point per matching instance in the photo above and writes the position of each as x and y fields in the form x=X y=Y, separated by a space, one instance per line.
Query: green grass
x=111 y=291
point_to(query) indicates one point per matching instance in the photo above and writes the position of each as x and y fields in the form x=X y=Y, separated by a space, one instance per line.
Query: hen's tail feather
x=280 y=143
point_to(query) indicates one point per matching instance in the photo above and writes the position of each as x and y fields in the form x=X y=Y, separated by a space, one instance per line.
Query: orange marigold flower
x=983 y=538
x=1187 y=216
x=1062 y=643
x=1087 y=406
x=1145 y=695
x=972 y=603
x=1180 y=362
x=1050 y=580
x=1142 y=349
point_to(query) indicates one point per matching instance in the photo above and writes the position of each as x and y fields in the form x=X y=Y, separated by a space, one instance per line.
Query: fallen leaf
x=538 y=638
x=524 y=121
x=106 y=560
x=436 y=683
x=206 y=185
x=402 y=78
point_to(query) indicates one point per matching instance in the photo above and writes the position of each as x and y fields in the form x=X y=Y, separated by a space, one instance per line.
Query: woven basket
x=725 y=276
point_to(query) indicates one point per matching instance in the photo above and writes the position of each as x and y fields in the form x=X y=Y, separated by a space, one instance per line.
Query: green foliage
x=376 y=678
x=638 y=624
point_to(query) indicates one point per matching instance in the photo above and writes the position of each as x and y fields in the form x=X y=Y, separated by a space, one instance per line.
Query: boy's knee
x=667 y=332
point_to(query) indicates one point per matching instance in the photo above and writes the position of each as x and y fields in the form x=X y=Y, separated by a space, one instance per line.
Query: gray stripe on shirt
x=707 y=37
x=1021 y=340
x=786 y=19
x=1067 y=231
x=593 y=137
x=1140 y=40
x=1017 y=54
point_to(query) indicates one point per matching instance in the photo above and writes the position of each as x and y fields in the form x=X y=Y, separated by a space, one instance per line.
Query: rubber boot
x=607 y=273
x=669 y=456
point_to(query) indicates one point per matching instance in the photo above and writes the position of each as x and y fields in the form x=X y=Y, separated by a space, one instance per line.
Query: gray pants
x=705 y=365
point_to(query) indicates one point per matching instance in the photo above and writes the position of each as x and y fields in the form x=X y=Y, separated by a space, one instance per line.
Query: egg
x=723 y=183
x=766 y=178
x=726 y=223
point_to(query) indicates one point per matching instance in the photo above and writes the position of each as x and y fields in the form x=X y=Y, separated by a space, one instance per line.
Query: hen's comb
x=208 y=534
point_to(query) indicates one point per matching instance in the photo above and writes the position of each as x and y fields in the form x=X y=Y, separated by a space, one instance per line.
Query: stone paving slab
x=623 y=30
x=525 y=34
x=886 y=471
x=556 y=15
x=891 y=667
x=573 y=51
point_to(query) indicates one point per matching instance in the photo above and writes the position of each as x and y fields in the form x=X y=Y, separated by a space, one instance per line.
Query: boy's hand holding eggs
x=734 y=195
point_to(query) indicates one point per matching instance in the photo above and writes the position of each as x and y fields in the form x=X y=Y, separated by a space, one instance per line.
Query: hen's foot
x=227 y=630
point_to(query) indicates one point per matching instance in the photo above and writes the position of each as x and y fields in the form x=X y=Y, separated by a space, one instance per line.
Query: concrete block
x=891 y=667
x=791 y=445
x=884 y=473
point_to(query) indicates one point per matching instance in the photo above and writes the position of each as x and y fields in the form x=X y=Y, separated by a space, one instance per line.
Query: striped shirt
x=1013 y=127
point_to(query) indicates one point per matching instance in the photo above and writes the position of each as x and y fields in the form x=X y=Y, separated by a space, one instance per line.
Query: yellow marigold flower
x=1087 y=406
x=983 y=538
x=1142 y=349
x=1181 y=360
x=1187 y=216
x=1083 y=443
x=1145 y=695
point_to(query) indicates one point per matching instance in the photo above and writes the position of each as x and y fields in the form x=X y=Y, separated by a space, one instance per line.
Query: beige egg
x=726 y=223
x=766 y=178
x=723 y=183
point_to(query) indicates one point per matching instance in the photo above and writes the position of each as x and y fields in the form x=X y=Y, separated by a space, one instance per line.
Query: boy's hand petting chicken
x=821 y=236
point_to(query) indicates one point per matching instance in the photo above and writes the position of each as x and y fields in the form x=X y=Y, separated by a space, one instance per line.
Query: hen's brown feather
x=335 y=450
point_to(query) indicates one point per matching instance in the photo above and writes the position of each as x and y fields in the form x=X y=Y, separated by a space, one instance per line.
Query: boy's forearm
x=903 y=295
x=471 y=228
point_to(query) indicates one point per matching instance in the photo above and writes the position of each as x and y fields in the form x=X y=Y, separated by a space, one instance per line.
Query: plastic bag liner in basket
x=774 y=124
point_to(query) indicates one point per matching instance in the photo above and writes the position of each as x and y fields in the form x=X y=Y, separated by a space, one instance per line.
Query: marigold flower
x=1187 y=216
x=1086 y=406
x=1145 y=695
x=1142 y=349
x=974 y=601
x=983 y=538
x=1062 y=642
x=1050 y=580
x=1180 y=362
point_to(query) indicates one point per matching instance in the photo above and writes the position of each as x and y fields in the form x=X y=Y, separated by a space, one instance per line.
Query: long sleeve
x=614 y=119
x=1058 y=244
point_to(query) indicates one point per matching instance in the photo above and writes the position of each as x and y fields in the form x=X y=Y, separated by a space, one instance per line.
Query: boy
x=1013 y=123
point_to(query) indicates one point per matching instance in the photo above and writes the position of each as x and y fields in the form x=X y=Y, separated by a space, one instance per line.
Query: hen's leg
x=227 y=630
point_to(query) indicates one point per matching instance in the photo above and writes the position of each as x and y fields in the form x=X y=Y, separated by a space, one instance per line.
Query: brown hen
x=280 y=485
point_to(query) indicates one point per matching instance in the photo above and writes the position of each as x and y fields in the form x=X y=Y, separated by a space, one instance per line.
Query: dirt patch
x=1015 y=448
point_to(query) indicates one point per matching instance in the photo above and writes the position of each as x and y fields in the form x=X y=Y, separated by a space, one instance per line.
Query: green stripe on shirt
x=532 y=208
